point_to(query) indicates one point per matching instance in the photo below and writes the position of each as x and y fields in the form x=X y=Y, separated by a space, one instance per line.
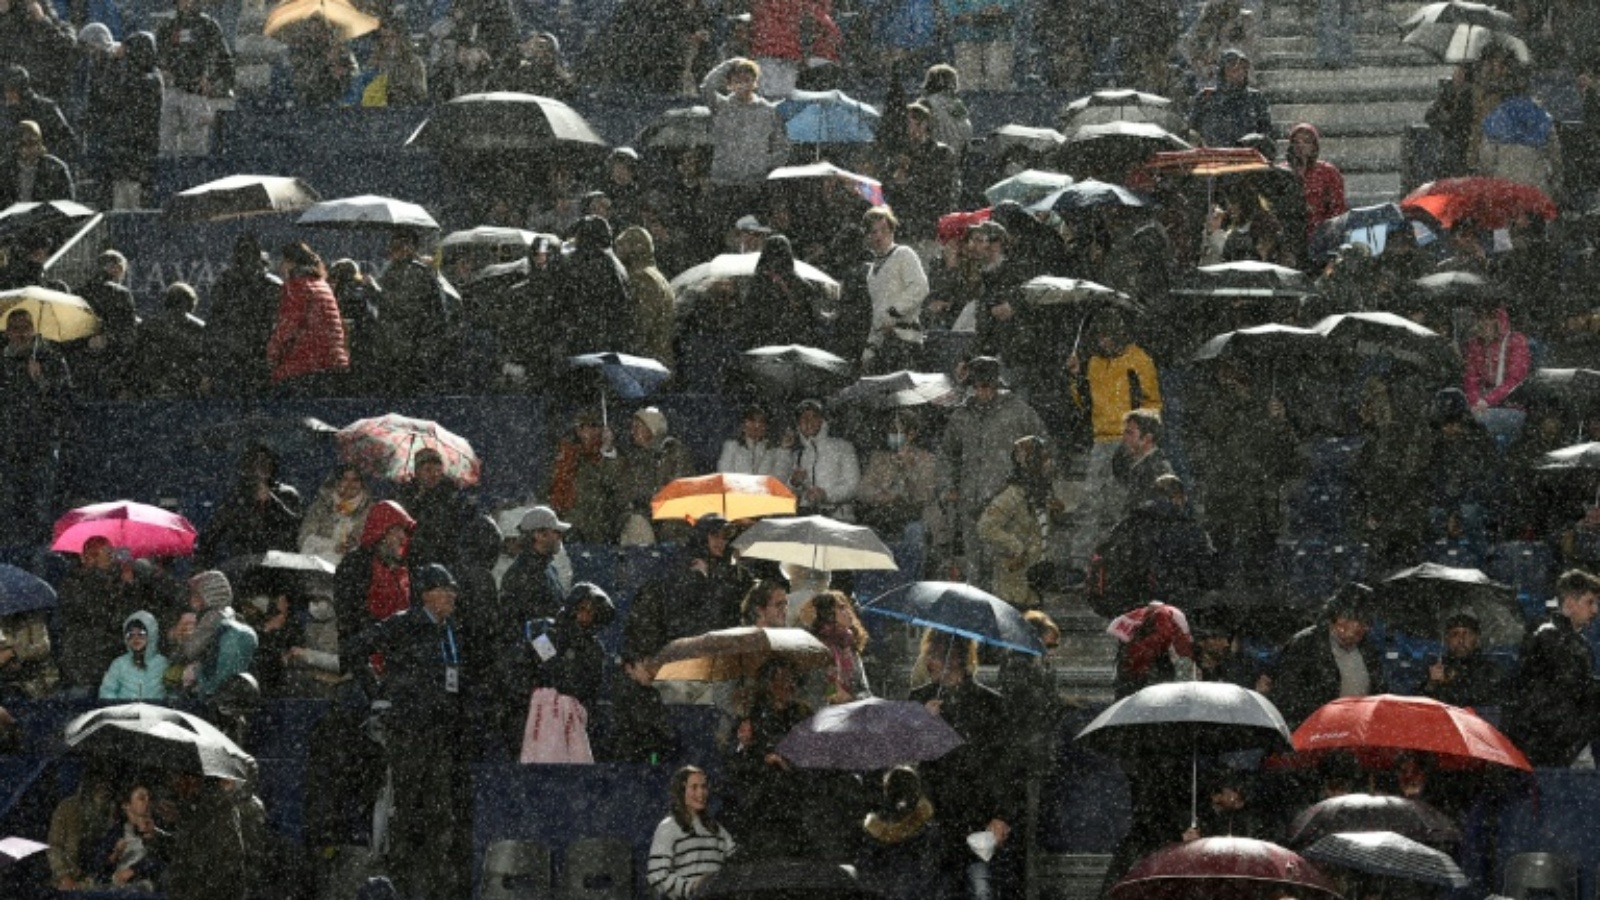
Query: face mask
x=896 y=440
x=321 y=610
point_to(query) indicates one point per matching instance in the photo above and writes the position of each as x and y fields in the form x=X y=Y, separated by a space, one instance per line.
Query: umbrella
x=868 y=736
x=1372 y=812
x=1389 y=855
x=157 y=737
x=1459 y=32
x=816 y=542
x=239 y=196
x=1089 y=194
x=1388 y=336
x=347 y=21
x=1206 y=717
x=506 y=121
x=1120 y=105
x=1577 y=389
x=386 y=446
x=736 y=653
x=15 y=849
x=1027 y=187
x=277 y=560
x=741 y=267
x=898 y=390
x=1459 y=289
x=494 y=237
x=1491 y=202
x=828 y=117
x=1207 y=162
x=57 y=316
x=1034 y=140
x=677 y=129
x=277 y=572
x=793 y=370
x=1368 y=225
x=141 y=530
x=868 y=189
x=1377 y=728
x=631 y=377
x=1223 y=868
x=1268 y=345
x=26 y=216
x=953 y=226
x=959 y=609
x=783 y=879
x=368 y=211
x=1247 y=278
x=1123 y=143
x=730 y=496
x=22 y=591
x=1578 y=456
x=284 y=434
x=1055 y=290
x=1418 y=600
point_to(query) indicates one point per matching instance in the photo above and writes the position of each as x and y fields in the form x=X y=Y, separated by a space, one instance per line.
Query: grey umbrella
x=1389 y=855
x=1372 y=812
x=816 y=542
x=158 y=737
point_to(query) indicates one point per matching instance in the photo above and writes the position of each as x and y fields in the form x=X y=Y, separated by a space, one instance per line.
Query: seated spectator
x=220 y=646
x=652 y=460
x=1551 y=704
x=400 y=76
x=689 y=845
x=1463 y=468
x=27 y=670
x=1496 y=359
x=1330 y=659
x=899 y=494
x=333 y=523
x=831 y=616
x=1217 y=654
x=576 y=665
x=640 y=729
x=538 y=68
x=129 y=859
x=1465 y=675
x=653 y=297
x=902 y=854
x=372 y=582
x=23 y=103
x=586 y=481
x=320 y=62
x=95 y=598
x=169 y=353
x=826 y=470
x=76 y=825
x=751 y=453
x=33 y=175
x=140 y=673
x=768 y=792
x=1228 y=813
x=260 y=514
x=311 y=663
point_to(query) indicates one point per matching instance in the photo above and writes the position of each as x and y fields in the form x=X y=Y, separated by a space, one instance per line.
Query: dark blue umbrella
x=22 y=591
x=868 y=736
x=959 y=609
x=630 y=377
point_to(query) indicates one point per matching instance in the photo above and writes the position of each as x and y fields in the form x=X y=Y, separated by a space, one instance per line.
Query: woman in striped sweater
x=688 y=844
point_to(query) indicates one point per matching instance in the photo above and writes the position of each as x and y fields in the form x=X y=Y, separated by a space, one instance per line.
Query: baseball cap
x=541 y=518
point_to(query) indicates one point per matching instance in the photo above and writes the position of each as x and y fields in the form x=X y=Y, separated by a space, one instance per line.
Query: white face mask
x=321 y=610
x=896 y=440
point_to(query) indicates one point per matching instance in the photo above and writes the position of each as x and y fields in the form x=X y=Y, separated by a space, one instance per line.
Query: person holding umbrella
x=1464 y=675
x=36 y=385
x=1554 y=698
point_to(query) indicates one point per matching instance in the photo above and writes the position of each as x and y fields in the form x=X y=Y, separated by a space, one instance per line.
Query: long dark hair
x=304 y=260
x=679 y=789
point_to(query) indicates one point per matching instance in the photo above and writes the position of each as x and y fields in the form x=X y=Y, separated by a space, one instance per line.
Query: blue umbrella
x=631 y=377
x=867 y=736
x=828 y=117
x=959 y=609
x=22 y=591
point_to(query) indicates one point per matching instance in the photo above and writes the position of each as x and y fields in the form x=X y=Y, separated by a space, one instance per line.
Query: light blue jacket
x=125 y=680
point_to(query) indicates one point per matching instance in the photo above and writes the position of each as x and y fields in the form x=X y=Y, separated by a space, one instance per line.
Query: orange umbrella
x=727 y=495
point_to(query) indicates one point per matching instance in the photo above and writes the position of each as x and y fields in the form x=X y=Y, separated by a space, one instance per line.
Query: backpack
x=1116 y=579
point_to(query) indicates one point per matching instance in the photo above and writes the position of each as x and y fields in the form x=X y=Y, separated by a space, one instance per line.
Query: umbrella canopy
x=677 y=129
x=1378 y=727
x=1418 y=600
x=277 y=572
x=494 y=237
x=386 y=447
x=505 y=120
x=1458 y=31
x=816 y=542
x=280 y=560
x=1372 y=812
x=1389 y=855
x=157 y=737
x=15 y=849
x=1576 y=389
x=1205 y=717
x=1247 y=278
x=1054 y=290
x=241 y=196
x=1261 y=346
x=1224 y=868
x=795 y=371
x=898 y=390
x=868 y=189
x=1027 y=187
x=783 y=879
x=630 y=377
x=57 y=316
x=828 y=117
x=959 y=609
x=1207 y=162
x=1491 y=202
x=1088 y=194
x=368 y=211
x=1034 y=140
x=1123 y=143
x=740 y=268
x=1578 y=456
x=730 y=496
x=868 y=736
x=347 y=21
x=25 y=216
x=1459 y=289
x=735 y=653
x=140 y=529
x=23 y=591
x=1381 y=335
x=1120 y=105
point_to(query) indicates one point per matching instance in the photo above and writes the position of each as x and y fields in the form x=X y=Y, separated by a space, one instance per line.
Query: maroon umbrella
x=1224 y=868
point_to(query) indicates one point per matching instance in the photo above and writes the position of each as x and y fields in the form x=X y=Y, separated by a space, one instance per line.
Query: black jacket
x=1307 y=676
x=1553 y=699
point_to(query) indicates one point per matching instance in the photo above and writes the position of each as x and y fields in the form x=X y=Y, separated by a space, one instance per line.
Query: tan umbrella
x=349 y=22
x=735 y=653
x=57 y=316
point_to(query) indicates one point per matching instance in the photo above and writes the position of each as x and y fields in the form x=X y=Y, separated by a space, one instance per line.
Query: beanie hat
x=434 y=576
x=96 y=35
x=213 y=588
x=653 y=420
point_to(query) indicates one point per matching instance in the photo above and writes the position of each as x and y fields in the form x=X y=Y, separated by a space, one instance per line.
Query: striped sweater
x=679 y=858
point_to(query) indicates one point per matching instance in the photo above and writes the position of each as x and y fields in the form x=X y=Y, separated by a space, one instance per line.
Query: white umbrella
x=56 y=316
x=239 y=196
x=368 y=211
x=816 y=542
x=739 y=267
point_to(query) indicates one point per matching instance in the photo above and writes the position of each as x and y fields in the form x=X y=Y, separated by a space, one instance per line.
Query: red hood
x=383 y=516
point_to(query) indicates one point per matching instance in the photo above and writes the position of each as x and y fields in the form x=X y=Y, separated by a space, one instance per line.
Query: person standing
x=1221 y=115
x=1328 y=660
x=898 y=286
x=36 y=393
x=307 y=350
x=243 y=315
x=32 y=175
x=194 y=54
x=748 y=138
x=1554 y=700
x=131 y=125
x=1322 y=181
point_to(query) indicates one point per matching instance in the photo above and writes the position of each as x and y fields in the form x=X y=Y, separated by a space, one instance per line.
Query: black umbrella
x=1112 y=148
x=1246 y=278
x=506 y=121
x=677 y=129
x=783 y=879
x=1388 y=855
x=1269 y=346
x=1088 y=194
x=277 y=572
x=1418 y=600
x=28 y=216
x=868 y=736
x=793 y=370
x=1372 y=812
x=1445 y=289
x=158 y=737
x=1573 y=389
x=22 y=591
x=1120 y=105
x=1459 y=32
x=898 y=390
x=1380 y=335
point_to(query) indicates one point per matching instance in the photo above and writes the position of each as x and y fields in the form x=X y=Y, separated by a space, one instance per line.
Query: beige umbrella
x=349 y=22
x=57 y=316
x=735 y=653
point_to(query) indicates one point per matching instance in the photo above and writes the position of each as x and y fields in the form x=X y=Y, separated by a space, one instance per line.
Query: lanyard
x=447 y=647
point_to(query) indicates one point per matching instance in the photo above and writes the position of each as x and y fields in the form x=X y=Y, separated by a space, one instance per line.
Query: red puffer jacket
x=309 y=337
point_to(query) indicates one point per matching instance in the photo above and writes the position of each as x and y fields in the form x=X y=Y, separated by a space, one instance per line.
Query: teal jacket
x=232 y=652
x=126 y=680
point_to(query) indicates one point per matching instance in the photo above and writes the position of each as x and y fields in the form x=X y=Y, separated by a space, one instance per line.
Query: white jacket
x=898 y=286
x=762 y=458
x=829 y=463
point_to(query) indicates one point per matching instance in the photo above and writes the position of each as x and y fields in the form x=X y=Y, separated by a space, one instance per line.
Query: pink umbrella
x=386 y=447
x=140 y=529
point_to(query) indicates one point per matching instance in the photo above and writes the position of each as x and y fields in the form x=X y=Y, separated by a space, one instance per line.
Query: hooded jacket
x=366 y=587
x=653 y=297
x=129 y=678
x=1223 y=114
x=1323 y=183
x=593 y=285
x=1496 y=366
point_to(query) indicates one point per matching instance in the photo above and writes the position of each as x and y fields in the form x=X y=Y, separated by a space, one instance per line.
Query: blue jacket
x=125 y=680
x=232 y=652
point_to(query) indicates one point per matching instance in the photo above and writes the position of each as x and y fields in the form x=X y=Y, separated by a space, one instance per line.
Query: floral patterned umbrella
x=386 y=447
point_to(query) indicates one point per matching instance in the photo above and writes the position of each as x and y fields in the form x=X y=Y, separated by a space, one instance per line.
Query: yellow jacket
x=1111 y=393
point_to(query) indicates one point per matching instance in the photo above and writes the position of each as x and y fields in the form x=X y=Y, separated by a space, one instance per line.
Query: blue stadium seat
x=1528 y=566
x=1310 y=570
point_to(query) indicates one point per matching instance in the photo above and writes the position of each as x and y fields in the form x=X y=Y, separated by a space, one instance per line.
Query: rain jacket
x=1519 y=143
x=366 y=587
x=599 y=313
x=975 y=455
x=1223 y=114
x=794 y=29
x=126 y=679
x=308 y=338
x=1323 y=182
x=231 y=650
x=1554 y=698
x=1308 y=676
x=655 y=320
x=1111 y=389
x=831 y=464
x=1495 y=367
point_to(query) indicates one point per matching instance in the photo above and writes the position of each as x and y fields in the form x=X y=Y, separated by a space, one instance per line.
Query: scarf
x=898 y=831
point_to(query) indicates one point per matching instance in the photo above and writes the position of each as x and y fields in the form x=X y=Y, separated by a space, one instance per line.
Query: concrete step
x=1070 y=876
x=1299 y=41
x=1398 y=55
x=1371 y=188
x=1384 y=117
x=1290 y=19
x=1370 y=153
x=1364 y=84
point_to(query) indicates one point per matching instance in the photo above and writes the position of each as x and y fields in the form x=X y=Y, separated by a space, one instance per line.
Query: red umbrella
x=1224 y=868
x=140 y=529
x=953 y=226
x=386 y=447
x=1378 y=728
x=1491 y=202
